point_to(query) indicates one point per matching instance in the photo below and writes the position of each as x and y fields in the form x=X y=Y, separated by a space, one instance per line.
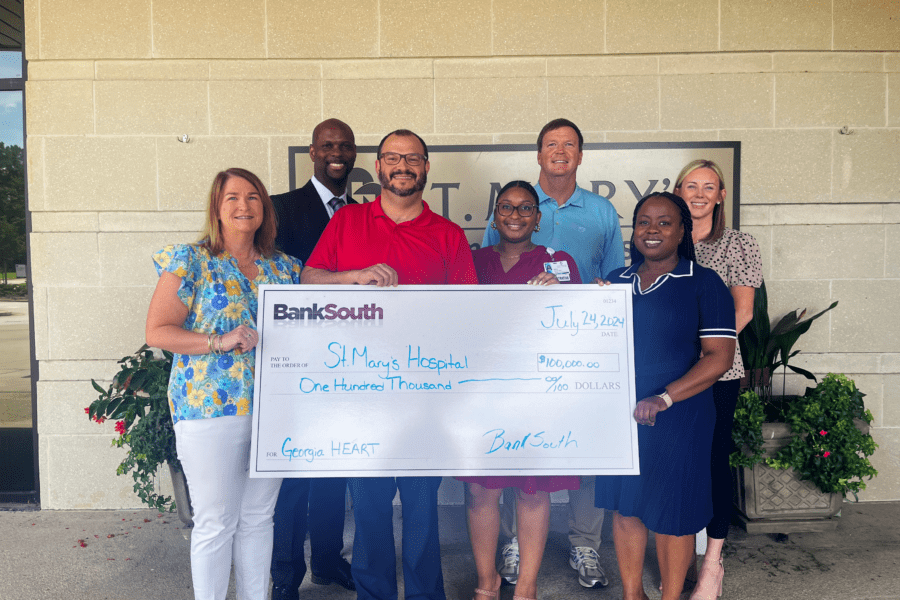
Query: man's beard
x=386 y=184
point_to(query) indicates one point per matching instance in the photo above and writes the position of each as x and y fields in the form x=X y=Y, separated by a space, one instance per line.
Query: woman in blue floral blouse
x=204 y=310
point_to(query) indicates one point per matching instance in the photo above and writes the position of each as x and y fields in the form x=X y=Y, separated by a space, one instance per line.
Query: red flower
x=827 y=454
x=97 y=418
x=823 y=432
x=120 y=427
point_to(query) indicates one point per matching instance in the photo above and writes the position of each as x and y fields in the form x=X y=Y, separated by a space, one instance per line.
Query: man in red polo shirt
x=396 y=239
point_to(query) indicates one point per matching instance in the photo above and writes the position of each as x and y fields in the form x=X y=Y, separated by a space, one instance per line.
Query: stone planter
x=182 y=497
x=775 y=501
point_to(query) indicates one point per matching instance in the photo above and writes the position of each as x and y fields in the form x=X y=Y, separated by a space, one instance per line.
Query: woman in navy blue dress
x=684 y=340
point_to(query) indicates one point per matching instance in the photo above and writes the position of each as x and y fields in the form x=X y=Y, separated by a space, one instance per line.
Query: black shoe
x=285 y=592
x=338 y=572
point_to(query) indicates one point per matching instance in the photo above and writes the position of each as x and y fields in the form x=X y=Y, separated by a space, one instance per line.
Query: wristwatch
x=666 y=398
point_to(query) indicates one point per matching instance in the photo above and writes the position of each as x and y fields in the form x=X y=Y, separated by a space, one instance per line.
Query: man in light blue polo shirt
x=574 y=220
x=587 y=227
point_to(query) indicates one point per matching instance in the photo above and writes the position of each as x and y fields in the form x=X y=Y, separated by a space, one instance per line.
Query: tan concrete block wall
x=475 y=105
x=788 y=166
x=127 y=70
x=892 y=260
x=99 y=173
x=95 y=322
x=79 y=472
x=362 y=102
x=523 y=28
x=435 y=28
x=388 y=68
x=718 y=100
x=90 y=29
x=263 y=107
x=835 y=99
x=186 y=171
x=151 y=107
x=124 y=257
x=78 y=370
x=887 y=461
x=64 y=259
x=112 y=83
x=866 y=166
x=322 y=29
x=233 y=29
x=866 y=25
x=607 y=103
x=645 y=26
x=891 y=400
x=190 y=222
x=813 y=295
x=869 y=323
x=60 y=107
x=783 y=25
x=894 y=100
x=831 y=259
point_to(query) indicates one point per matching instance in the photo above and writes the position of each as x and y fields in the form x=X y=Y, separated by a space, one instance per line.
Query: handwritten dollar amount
x=579 y=362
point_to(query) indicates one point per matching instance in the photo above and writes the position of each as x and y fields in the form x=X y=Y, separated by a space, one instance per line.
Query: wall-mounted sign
x=464 y=180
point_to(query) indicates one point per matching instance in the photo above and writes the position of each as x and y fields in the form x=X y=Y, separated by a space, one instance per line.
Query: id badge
x=560 y=268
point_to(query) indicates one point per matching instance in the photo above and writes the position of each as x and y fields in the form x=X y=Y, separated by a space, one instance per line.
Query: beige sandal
x=485 y=593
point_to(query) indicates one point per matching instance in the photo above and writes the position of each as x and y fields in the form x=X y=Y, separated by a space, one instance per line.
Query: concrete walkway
x=145 y=555
x=142 y=555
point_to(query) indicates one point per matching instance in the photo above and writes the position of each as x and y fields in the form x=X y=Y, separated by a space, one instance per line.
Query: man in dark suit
x=303 y=213
x=302 y=216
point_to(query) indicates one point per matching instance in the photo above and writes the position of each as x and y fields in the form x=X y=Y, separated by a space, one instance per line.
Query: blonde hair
x=718 y=216
x=211 y=236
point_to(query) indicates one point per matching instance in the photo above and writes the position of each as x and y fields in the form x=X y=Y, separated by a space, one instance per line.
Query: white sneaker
x=586 y=561
x=508 y=565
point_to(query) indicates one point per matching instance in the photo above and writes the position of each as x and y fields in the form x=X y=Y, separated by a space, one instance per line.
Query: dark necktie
x=335 y=203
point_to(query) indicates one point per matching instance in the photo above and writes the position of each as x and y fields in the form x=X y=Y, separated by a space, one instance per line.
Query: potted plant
x=765 y=348
x=797 y=456
x=137 y=398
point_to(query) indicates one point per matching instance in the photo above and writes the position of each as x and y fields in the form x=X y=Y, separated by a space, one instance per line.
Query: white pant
x=232 y=513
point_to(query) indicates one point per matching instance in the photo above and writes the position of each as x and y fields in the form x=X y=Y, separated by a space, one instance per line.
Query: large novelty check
x=444 y=380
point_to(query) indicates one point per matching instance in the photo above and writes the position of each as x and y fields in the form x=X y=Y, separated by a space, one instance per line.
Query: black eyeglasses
x=524 y=210
x=392 y=158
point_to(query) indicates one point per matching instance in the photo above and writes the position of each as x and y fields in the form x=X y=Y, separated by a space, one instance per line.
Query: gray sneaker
x=586 y=562
x=508 y=565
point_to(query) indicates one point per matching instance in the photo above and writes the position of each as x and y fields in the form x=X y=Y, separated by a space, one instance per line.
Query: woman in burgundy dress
x=515 y=260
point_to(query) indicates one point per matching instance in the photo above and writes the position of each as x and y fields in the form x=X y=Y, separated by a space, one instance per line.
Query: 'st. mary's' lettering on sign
x=329 y=312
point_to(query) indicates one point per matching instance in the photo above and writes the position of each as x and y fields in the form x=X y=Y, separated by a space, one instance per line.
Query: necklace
x=511 y=256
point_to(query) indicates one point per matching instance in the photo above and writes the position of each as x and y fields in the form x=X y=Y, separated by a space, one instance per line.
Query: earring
x=537 y=227
x=493 y=225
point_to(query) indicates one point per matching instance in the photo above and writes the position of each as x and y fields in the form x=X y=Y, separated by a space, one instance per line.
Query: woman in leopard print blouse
x=735 y=256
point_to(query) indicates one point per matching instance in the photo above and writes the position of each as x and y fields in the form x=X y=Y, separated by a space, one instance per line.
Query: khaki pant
x=585 y=519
